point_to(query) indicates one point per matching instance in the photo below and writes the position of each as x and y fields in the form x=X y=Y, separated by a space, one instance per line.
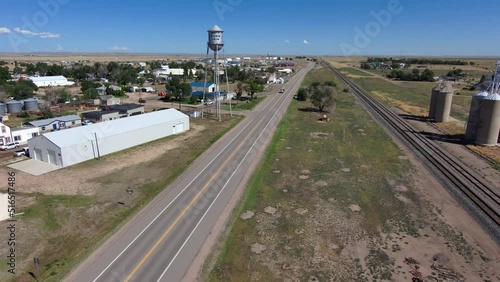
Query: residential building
x=5 y=134
x=57 y=123
x=199 y=87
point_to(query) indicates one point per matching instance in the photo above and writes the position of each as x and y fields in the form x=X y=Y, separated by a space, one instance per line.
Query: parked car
x=142 y=100
x=9 y=146
x=22 y=152
x=282 y=90
x=209 y=102
x=86 y=122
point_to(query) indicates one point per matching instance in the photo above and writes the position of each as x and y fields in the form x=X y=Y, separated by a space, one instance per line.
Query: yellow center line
x=186 y=209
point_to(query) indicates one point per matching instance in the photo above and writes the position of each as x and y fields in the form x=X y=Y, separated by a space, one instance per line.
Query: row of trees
x=414 y=75
x=418 y=61
x=22 y=89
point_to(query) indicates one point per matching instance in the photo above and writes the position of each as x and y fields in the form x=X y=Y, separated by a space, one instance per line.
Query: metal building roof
x=482 y=94
x=45 y=122
x=493 y=97
x=46 y=78
x=76 y=135
x=215 y=28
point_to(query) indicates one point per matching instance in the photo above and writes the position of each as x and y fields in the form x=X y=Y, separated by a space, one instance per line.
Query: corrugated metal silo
x=472 y=121
x=489 y=121
x=30 y=104
x=432 y=106
x=443 y=102
x=14 y=106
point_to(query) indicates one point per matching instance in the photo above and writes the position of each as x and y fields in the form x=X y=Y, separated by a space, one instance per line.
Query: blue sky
x=281 y=27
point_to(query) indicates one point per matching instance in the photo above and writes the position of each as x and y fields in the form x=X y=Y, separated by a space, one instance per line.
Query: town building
x=50 y=81
x=79 y=144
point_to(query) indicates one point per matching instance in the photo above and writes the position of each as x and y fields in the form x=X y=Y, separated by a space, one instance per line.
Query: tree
x=23 y=89
x=302 y=95
x=427 y=75
x=254 y=87
x=177 y=88
x=4 y=74
x=365 y=66
x=271 y=69
x=141 y=81
x=55 y=96
x=240 y=88
x=323 y=97
x=85 y=85
x=90 y=93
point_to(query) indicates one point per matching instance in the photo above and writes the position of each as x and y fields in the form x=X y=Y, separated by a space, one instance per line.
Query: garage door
x=51 y=154
x=178 y=128
x=38 y=154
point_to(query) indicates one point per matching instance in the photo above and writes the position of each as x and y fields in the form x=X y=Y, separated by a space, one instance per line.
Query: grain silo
x=30 y=104
x=432 y=106
x=472 y=121
x=14 y=106
x=2 y=109
x=489 y=121
x=444 y=99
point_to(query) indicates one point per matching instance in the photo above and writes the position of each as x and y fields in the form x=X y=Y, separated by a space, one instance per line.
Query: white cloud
x=118 y=48
x=305 y=42
x=59 y=48
x=287 y=41
x=40 y=34
x=4 y=30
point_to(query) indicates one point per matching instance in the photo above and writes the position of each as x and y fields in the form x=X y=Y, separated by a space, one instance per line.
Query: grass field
x=244 y=105
x=66 y=229
x=312 y=175
x=411 y=96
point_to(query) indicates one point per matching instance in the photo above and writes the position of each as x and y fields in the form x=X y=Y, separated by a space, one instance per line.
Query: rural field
x=92 y=57
x=69 y=212
x=413 y=97
x=340 y=201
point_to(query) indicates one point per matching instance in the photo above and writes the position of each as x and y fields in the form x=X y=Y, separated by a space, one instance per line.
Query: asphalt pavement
x=161 y=241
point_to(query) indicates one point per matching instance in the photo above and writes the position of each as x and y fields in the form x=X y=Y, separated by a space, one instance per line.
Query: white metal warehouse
x=48 y=81
x=79 y=144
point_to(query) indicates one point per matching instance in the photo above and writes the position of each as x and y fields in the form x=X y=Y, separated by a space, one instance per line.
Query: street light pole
x=180 y=98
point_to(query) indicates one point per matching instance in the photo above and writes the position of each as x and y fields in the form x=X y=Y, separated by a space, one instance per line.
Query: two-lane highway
x=160 y=243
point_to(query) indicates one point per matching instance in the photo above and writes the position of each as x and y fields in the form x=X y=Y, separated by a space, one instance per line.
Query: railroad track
x=480 y=196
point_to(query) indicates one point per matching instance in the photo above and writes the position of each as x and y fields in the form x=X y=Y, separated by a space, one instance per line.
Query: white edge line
x=180 y=193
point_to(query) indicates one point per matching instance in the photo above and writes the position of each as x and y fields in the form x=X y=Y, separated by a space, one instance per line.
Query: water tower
x=216 y=43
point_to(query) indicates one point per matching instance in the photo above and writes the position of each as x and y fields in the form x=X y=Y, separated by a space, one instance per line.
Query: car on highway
x=282 y=90
x=9 y=146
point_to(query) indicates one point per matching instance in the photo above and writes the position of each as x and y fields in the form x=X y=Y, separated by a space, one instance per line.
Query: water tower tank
x=489 y=121
x=30 y=104
x=2 y=109
x=215 y=38
x=14 y=106
x=472 y=121
x=443 y=103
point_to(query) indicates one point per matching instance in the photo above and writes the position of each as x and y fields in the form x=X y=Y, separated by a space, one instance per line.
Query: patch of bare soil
x=77 y=180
